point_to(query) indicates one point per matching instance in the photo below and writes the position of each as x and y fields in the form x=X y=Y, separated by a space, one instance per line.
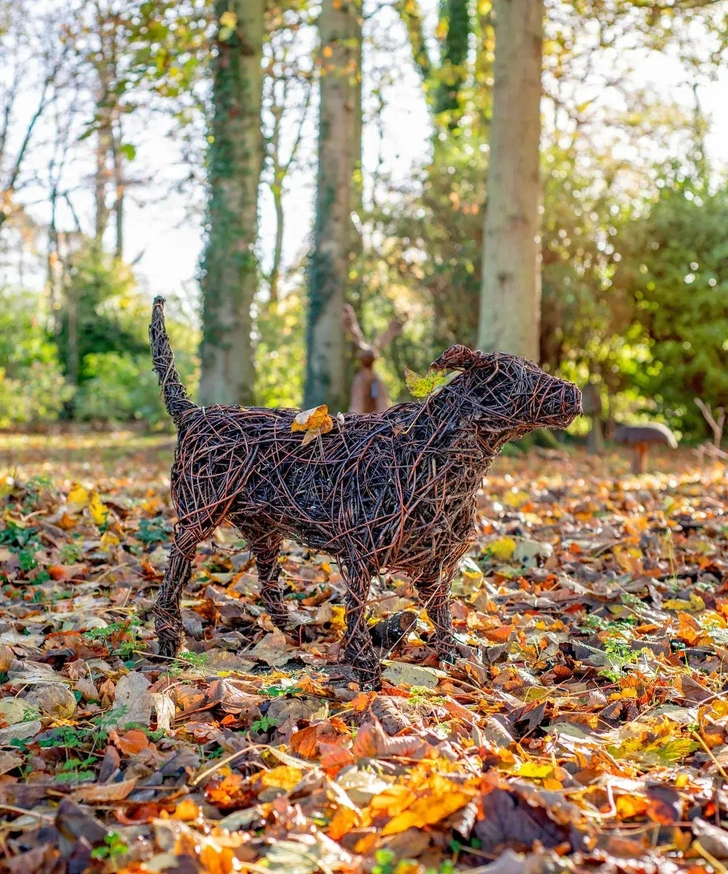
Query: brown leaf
x=104 y=793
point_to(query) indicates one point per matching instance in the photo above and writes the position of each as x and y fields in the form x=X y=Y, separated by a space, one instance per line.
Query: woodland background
x=231 y=123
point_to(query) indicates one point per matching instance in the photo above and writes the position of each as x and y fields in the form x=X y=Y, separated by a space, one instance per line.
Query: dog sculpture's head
x=509 y=394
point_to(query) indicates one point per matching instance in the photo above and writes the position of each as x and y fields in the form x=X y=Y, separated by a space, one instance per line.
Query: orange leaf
x=629 y=806
x=131 y=742
x=305 y=742
x=56 y=572
x=344 y=820
x=362 y=701
x=335 y=755
x=316 y=418
x=186 y=810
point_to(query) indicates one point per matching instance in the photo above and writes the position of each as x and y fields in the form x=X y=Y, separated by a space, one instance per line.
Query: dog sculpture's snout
x=563 y=404
x=573 y=399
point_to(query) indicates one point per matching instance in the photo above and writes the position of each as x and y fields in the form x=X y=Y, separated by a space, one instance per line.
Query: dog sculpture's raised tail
x=175 y=394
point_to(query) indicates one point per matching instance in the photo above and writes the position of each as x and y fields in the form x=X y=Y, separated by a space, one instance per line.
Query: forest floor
x=588 y=731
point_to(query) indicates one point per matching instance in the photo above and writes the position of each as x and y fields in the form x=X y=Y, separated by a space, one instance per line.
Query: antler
x=393 y=329
x=351 y=324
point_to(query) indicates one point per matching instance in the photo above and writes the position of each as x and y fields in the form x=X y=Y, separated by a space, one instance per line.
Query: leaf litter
x=583 y=728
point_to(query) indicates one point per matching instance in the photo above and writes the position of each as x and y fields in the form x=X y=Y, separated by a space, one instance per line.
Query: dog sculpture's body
x=390 y=491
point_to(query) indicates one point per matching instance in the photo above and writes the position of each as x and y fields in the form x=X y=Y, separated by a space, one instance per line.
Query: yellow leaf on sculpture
x=282 y=777
x=314 y=422
x=318 y=417
x=471 y=572
x=78 y=498
x=98 y=509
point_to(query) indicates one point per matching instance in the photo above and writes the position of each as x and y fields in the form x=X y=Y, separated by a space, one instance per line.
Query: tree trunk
x=337 y=191
x=119 y=188
x=229 y=267
x=101 y=177
x=511 y=290
x=275 y=271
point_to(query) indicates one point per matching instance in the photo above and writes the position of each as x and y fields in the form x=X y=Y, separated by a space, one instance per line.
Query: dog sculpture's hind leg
x=434 y=595
x=358 y=647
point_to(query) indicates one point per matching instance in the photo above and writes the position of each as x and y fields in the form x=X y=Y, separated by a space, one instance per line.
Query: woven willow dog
x=390 y=491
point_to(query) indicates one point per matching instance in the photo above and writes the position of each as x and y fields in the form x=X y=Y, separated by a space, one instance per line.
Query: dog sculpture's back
x=388 y=491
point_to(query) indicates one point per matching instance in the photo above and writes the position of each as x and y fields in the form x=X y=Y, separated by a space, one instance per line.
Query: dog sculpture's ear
x=458 y=358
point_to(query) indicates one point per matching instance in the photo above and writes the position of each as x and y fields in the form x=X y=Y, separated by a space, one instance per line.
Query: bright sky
x=165 y=240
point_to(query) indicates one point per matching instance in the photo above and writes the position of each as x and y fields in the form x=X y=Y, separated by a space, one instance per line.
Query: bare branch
x=716 y=424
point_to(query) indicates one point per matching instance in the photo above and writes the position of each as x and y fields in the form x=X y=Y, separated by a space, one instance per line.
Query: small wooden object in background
x=368 y=392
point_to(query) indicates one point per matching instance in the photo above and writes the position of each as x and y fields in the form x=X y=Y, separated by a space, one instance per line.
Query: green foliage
x=32 y=387
x=280 y=352
x=122 y=387
x=111 y=353
x=265 y=723
x=112 y=848
x=103 y=310
x=675 y=274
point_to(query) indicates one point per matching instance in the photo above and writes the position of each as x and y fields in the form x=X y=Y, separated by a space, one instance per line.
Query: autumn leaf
x=283 y=777
x=130 y=742
x=423 y=386
x=314 y=422
x=99 y=511
x=502 y=548
x=439 y=797
x=78 y=498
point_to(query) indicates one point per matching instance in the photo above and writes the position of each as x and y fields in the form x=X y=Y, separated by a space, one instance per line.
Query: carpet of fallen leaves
x=585 y=728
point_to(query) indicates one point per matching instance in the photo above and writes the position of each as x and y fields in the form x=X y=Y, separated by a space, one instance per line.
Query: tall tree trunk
x=275 y=271
x=511 y=291
x=119 y=189
x=229 y=267
x=101 y=177
x=338 y=157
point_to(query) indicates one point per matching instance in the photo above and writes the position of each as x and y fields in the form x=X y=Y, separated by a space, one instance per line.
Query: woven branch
x=383 y=492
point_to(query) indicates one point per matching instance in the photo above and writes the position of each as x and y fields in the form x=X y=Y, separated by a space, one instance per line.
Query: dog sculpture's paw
x=369 y=683
x=168 y=649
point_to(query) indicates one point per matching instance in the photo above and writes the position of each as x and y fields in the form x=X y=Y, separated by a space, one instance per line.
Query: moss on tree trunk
x=229 y=266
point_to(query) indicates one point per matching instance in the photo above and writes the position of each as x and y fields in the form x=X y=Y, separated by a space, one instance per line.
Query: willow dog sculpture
x=390 y=491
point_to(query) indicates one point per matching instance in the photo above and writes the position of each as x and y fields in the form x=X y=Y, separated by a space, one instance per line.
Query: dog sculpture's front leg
x=358 y=646
x=435 y=598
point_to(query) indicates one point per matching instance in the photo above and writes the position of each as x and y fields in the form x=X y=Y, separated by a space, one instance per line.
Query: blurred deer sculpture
x=368 y=392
